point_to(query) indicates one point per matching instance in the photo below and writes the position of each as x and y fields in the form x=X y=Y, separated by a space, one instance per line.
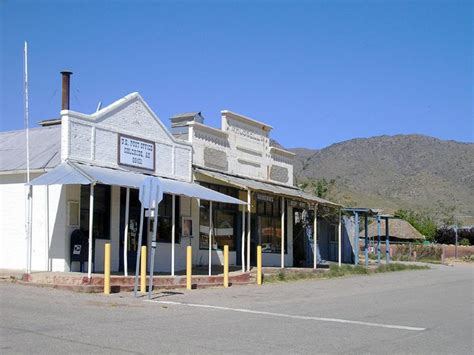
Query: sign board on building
x=136 y=152
x=263 y=197
x=298 y=204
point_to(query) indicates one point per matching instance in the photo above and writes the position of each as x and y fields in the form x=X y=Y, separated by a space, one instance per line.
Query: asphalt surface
x=423 y=311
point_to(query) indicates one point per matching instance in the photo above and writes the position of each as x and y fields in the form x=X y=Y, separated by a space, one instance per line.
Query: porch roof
x=256 y=185
x=69 y=172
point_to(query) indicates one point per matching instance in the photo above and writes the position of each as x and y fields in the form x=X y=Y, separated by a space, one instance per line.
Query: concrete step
x=80 y=282
x=123 y=288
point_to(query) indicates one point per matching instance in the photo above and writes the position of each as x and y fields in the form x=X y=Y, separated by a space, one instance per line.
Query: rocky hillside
x=392 y=172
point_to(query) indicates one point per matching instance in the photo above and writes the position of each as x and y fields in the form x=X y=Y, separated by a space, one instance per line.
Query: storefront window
x=165 y=221
x=269 y=223
x=224 y=219
x=101 y=223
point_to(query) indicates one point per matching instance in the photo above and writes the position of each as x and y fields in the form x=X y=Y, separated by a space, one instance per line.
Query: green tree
x=422 y=222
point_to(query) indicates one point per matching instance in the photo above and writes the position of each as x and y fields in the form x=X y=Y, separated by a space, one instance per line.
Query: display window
x=101 y=222
x=269 y=223
x=224 y=220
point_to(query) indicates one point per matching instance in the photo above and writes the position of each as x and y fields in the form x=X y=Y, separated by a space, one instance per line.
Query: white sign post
x=136 y=152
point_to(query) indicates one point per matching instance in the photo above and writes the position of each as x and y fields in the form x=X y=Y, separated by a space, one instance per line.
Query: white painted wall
x=94 y=138
x=246 y=144
x=48 y=237
x=13 y=240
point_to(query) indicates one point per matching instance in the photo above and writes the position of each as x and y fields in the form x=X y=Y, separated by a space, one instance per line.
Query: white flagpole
x=29 y=188
x=27 y=116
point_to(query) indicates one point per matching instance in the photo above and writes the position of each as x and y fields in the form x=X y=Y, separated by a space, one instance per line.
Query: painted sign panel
x=136 y=152
x=262 y=197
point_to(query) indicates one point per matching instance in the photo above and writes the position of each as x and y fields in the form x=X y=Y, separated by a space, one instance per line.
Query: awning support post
x=339 y=240
x=210 y=238
x=315 y=238
x=249 y=208
x=153 y=245
x=91 y=226
x=378 y=240
x=283 y=232
x=456 y=242
x=173 y=231
x=243 y=239
x=366 y=240
x=140 y=238
x=356 y=238
x=387 y=241
x=125 y=233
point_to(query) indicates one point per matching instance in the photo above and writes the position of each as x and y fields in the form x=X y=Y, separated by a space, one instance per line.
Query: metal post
x=282 y=233
x=140 y=238
x=91 y=226
x=339 y=240
x=315 y=238
x=173 y=231
x=243 y=239
x=378 y=240
x=226 y=266
x=387 y=241
x=259 y=265
x=125 y=233
x=143 y=270
x=29 y=207
x=366 y=240
x=46 y=226
x=249 y=206
x=107 y=269
x=356 y=238
x=189 y=266
x=153 y=245
x=456 y=242
x=210 y=238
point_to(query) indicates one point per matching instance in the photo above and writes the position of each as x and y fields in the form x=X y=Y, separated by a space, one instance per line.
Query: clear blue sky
x=318 y=71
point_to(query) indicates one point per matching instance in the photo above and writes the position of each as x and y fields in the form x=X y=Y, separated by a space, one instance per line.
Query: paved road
x=427 y=311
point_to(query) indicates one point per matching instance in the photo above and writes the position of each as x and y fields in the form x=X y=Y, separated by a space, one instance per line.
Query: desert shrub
x=446 y=235
x=465 y=242
x=428 y=252
x=469 y=258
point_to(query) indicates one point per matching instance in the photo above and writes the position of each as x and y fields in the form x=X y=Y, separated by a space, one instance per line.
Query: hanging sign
x=298 y=204
x=263 y=197
x=136 y=152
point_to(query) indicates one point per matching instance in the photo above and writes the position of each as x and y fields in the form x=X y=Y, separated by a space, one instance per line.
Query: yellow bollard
x=189 y=266
x=259 y=265
x=107 y=269
x=226 y=266
x=143 y=270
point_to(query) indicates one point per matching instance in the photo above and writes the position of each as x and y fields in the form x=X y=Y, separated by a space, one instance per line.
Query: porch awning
x=68 y=173
x=245 y=183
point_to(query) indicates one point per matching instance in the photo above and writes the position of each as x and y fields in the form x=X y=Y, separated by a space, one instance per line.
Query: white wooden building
x=127 y=138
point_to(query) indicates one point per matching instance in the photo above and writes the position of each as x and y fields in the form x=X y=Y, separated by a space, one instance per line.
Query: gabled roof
x=45 y=149
x=398 y=228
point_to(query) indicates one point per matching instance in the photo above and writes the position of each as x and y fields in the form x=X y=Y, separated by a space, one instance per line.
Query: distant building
x=400 y=231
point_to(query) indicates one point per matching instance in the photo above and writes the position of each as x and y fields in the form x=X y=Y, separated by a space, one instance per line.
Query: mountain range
x=415 y=172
